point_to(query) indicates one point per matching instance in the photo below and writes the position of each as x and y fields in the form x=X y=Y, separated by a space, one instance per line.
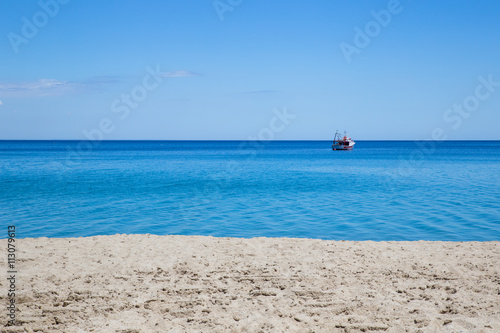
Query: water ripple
x=290 y=189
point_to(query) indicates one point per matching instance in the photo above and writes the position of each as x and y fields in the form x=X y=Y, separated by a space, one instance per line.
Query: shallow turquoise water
x=382 y=190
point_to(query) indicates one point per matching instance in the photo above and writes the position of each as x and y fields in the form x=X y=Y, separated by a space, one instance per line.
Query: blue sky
x=226 y=78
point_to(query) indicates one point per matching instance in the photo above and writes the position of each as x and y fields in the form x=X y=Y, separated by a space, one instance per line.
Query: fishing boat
x=342 y=143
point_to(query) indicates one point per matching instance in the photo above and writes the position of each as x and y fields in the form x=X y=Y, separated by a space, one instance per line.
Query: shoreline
x=148 y=283
x=258 y=237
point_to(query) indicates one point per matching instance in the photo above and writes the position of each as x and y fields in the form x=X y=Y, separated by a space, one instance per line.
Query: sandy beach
x=146 y=283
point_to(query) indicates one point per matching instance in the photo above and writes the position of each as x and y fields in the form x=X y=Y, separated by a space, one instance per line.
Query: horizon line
x=237 y=140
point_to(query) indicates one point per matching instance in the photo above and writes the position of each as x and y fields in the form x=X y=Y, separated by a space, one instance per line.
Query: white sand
x=145 y=283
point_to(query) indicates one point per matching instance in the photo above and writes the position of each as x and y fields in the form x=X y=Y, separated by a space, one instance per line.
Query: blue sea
x=381 y=190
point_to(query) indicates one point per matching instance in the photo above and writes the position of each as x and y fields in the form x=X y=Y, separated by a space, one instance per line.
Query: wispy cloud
x=53 y=87
x=1 y=103
x=41 y=87
x=102 y=80
x=179 y=74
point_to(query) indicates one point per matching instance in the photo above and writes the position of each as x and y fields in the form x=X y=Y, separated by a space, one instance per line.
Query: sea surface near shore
x=148 y=283
x=381 y=190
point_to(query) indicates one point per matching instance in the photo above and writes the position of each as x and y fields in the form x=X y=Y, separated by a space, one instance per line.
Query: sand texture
x=145 y=283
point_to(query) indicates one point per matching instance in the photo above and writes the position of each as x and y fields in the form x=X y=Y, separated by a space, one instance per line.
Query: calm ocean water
x=382 y=190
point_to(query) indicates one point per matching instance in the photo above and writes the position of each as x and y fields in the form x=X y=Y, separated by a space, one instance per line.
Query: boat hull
x=342 y=147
